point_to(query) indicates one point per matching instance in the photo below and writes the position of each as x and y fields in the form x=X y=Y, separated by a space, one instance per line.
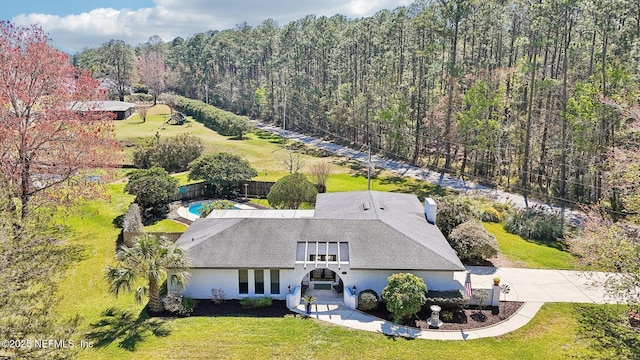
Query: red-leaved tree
x=46 y=147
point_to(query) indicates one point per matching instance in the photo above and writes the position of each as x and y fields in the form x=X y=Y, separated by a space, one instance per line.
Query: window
x=275 y=281
x=259 y=281
x=243 y=281
x=322 y=251
x=322 y=257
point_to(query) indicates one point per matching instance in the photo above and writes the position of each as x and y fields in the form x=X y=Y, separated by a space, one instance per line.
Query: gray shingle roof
x=103 y=106
x=391 y=233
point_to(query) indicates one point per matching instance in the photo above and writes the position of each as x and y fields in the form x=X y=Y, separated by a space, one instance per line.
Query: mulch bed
x=465 y=319
x=278 y=308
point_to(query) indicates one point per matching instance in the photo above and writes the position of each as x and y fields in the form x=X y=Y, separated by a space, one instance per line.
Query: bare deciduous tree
x=319 y=174
x=292 y=161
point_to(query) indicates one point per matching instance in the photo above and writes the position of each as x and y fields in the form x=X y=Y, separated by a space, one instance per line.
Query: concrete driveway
x=537 y=285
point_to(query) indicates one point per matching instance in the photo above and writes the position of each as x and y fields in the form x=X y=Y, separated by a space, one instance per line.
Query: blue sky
x=77 y=24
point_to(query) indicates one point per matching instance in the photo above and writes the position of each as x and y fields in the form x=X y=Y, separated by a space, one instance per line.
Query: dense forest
x=526 y=95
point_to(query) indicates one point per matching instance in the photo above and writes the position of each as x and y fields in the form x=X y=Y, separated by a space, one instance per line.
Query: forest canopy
x=513 y=93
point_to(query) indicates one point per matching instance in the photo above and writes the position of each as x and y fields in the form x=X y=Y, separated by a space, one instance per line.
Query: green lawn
x=530 y=254
x=264 y=155
x=551 y=335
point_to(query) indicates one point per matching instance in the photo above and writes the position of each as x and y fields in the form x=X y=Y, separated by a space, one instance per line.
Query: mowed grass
x=530 y=254
x=265 y=156
x=551 y=335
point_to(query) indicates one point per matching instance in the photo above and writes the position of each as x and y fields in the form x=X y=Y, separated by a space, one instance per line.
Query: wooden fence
x=253 y=189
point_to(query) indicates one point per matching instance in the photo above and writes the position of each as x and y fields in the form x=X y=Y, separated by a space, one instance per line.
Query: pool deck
x=246 y=211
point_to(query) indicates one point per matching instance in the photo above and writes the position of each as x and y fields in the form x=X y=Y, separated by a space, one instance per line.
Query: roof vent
x=381 y=206
x=366 y=206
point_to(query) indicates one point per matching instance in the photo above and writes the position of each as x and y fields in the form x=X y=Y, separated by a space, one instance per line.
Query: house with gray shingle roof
x=121 y=109
x=353 y=239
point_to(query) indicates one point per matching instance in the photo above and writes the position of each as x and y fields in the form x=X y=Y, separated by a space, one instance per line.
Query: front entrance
x=324 y=284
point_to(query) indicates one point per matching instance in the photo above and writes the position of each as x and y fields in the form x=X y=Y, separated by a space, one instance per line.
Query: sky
x=74 y=25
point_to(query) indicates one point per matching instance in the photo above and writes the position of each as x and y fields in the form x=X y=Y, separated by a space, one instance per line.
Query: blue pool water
x=195 y=208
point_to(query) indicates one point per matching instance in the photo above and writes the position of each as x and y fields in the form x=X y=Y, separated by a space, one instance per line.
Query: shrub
x=176 y=303
x=472 y=242
x=453 y=211
x=450 y=300
x=446 y=315
x=207 y=208
x=153 y=189
x=253 y=303
x=291 y=191
x=367 y=300
x=188 y=304
x=224 y=122
x=222 y=171
x=404 y=294
x=170 y=153
x=491 y=214
x=217 y=296
x=172 y=302
x=480 y=296
x=132 y=220
x=535 y=223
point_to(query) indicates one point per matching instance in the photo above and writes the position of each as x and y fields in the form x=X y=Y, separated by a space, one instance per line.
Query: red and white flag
x=468 y=291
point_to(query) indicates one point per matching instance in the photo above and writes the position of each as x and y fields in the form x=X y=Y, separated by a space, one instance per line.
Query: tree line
x=521 y=94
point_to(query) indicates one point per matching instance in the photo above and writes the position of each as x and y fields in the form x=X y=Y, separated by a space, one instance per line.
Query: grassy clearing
x=265 y=155
x=531 y=254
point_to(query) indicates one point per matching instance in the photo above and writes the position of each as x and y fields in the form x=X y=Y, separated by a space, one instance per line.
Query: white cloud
x=172 y=18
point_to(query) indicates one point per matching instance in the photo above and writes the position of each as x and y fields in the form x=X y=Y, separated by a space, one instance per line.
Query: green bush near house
x=404 y=294
x=446 y=299
x=368 y=300
x=491 y=214
x=258 y=302
x=453 y=211
x=207 y=208
x=472 y=242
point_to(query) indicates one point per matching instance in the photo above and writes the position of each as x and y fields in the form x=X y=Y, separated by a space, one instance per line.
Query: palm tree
x=309 y=299
x=150 y=258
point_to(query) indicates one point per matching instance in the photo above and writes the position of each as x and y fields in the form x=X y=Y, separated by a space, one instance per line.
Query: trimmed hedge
x=447 y=300
x=223 y=122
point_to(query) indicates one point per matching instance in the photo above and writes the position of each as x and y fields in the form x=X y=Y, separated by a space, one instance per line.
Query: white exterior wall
x=377 y=279
x=203 y=280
